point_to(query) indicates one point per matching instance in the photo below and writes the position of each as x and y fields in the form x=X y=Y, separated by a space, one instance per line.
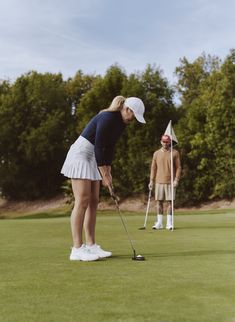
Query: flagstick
x=172 y=185
x=169 y=131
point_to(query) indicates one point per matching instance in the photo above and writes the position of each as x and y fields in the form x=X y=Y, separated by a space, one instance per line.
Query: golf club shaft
x=114 y=197
x=147 y=210
x=172 y=187
x=125 y=227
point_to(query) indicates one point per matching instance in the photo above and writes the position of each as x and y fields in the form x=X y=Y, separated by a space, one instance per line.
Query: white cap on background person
x=137 y=106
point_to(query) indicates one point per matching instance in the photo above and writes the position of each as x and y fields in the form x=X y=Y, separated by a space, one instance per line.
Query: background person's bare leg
x=160 y=207
x=158 y=224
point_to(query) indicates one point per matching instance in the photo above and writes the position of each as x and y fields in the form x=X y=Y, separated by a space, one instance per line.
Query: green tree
x=220 y=127
x=34 y=116
x=205 y=130
x=100 y=95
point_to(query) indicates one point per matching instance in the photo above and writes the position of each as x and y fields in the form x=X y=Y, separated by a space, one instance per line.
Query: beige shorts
x=163 y=191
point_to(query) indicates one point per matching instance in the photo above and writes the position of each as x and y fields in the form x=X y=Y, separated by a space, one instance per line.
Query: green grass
x=188 y=274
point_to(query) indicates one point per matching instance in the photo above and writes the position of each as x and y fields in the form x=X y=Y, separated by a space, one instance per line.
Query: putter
x=147 y=211
x=115 y=199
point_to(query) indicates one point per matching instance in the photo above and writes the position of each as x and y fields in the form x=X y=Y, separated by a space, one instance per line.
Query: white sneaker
x=169 y=227
x=157 y=225
x=97 y=250
x=82 y=254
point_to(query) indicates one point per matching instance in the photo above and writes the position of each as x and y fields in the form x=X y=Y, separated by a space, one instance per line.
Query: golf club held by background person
x=147 y=211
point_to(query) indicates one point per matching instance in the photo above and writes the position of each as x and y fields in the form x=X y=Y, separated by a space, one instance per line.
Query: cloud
x=64 y=36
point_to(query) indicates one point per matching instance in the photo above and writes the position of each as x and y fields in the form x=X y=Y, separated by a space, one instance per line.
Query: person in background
x=161 y=175
x=87 y=163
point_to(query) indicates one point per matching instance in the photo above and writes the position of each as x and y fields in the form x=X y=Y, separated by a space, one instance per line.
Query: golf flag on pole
x=169 y=131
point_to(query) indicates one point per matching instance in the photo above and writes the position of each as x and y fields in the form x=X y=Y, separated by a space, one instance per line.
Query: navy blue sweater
x=103 y=131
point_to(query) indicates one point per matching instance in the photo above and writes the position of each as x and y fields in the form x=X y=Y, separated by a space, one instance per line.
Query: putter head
x=138 y=258
x=142 y=228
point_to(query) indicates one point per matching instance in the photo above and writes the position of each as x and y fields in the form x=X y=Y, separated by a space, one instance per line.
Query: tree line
x=42 y=114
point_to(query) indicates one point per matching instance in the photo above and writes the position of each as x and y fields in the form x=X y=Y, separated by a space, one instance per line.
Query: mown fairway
x=188 y=274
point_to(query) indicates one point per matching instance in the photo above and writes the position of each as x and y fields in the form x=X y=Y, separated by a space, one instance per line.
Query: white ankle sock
x=169 y=220
x=159 y=219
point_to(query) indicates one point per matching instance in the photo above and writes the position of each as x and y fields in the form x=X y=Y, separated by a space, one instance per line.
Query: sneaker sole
x=83 y=260
x=105 y=256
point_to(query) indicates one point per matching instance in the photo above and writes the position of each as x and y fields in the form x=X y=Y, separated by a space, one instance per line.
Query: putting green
x=188 y=274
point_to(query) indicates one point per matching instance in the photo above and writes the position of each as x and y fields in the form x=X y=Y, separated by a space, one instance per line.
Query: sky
x=91 y=35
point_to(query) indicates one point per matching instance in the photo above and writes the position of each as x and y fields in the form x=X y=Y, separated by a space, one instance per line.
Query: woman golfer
x=89 y=161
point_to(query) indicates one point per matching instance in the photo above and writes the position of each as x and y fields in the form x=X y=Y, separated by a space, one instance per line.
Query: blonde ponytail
x=116 y=105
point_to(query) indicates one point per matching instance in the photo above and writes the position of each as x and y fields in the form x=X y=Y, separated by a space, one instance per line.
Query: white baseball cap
x=137 y=107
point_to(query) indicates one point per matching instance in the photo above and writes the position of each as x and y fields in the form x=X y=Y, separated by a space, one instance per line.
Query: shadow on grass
x=192 y=253
x=45 y=215
x=210 y=227
x=201 y=226
x=129 y=256
x=169 y=255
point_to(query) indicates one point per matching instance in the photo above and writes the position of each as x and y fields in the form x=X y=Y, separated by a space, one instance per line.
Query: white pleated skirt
x=80 y=162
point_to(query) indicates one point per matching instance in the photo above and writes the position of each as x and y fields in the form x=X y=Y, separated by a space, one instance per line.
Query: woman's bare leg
x=90 y=215
x=82 y=192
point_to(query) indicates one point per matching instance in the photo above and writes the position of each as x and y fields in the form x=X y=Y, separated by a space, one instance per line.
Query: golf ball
x=139 y=256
